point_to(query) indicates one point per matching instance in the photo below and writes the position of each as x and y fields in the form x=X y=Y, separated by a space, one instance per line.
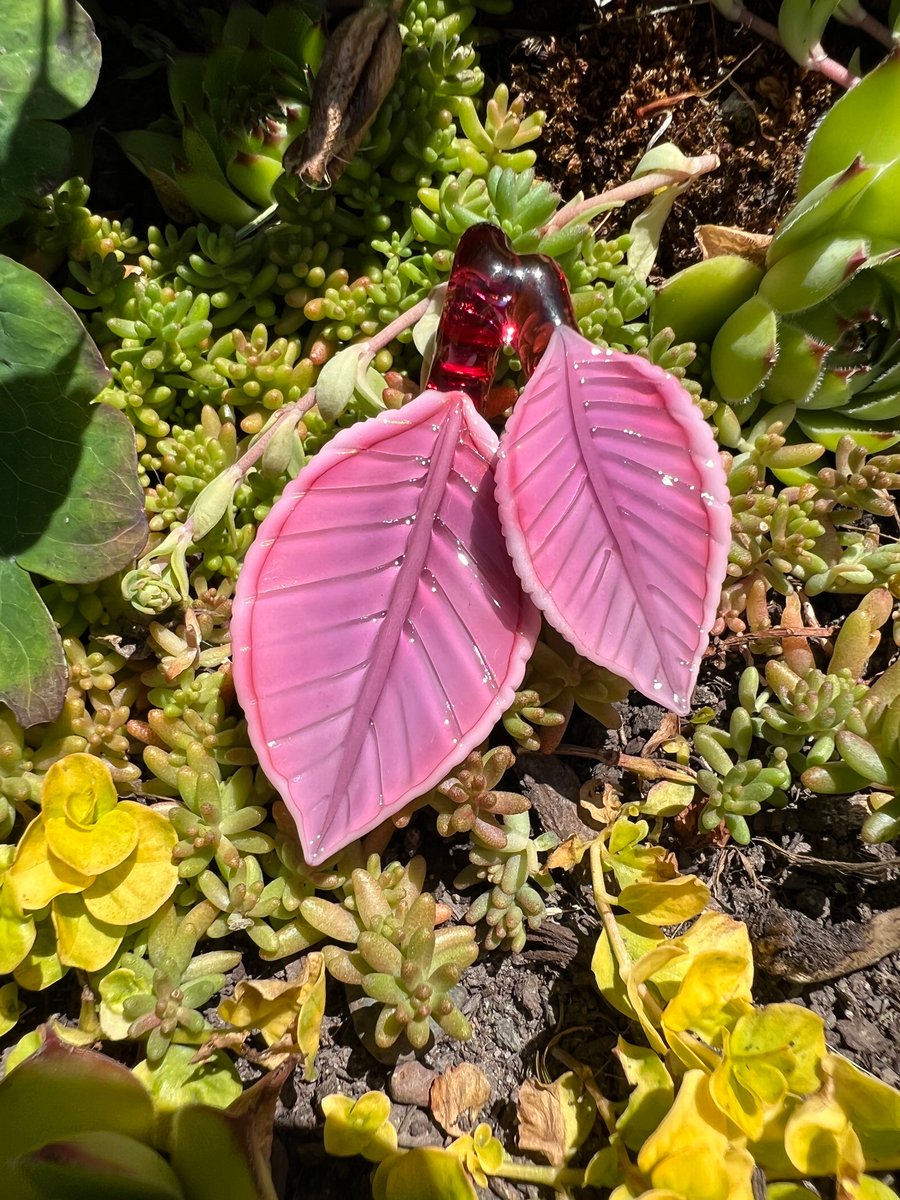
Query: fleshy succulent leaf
x=856 y=125
x=613 y=502
x=385 y=561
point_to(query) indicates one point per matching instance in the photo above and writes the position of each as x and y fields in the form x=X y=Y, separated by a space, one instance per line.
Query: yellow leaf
x=715 y=990
x=865 y=1188
x=651 y=1096
x=11 y=1007
x=40 y=968
x=667 y=799
x=666 y=901
x=17 y=933
x=312 y=1010
x=770 y=1051
x=555 y=1118
x=36 y=876
x=78 y=787
x=663 y=958
x=716 y=931
x=820 y=1140
x=874 y=1108
x=638 y=939
x=137 y=887
x=459 y=1090
x=788 y=1191
x=423 y=1173
x=81 y=940
x=359 y=1126
x=269 y=1005
x=94 y=849
x=693 y=1150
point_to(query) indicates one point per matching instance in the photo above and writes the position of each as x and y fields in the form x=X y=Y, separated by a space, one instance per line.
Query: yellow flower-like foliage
x=100 y=863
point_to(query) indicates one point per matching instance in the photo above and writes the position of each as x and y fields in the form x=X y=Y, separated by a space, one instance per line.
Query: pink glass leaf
x=379 y=628
x=615 y=510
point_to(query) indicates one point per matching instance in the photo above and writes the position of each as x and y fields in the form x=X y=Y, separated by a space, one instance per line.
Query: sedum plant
x=96 y=864
x=399 y=957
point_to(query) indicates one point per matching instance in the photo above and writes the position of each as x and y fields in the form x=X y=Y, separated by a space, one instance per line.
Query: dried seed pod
x=357 y=72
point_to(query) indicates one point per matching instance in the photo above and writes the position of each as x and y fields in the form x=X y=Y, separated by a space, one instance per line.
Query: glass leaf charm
x=379 y=628
x=615 y=510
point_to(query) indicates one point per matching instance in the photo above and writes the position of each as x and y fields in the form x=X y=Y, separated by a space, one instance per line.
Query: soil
x=608 y=75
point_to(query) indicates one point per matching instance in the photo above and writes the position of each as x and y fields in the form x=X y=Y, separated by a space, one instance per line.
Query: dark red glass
x=495 y=298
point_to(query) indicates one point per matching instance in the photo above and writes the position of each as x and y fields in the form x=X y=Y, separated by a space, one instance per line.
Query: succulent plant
x=222 y=154
x=398 y=956
x=817 y=329
x=467 y=800
x=556 y=680
x=156 y=993
x=512 y=904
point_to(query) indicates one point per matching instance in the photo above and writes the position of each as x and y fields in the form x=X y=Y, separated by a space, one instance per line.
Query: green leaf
x=49 y=63
x=99 y=1163
x=696 y=301
x=745 y=349
x=69 y=490
x=33 y=673
x=856 y=125
x=61 y=1091
x=176 y=1080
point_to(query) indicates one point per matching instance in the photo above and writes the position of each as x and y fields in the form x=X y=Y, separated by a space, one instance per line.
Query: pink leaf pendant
x=379 y=629
x=615 y=510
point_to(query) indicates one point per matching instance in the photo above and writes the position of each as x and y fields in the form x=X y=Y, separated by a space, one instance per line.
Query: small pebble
x=410 y=1083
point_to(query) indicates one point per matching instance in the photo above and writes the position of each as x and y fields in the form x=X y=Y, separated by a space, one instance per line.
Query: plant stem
x=592 y=206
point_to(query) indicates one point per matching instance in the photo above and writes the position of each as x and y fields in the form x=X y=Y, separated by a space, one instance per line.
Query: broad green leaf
x=176 y=1080
x=69 y=490
x=60 y=1091
x=40 y=968
x=856 y=125
x=99 y=1163
x=49 y=63
x=237 y=1144
x=821 y=209
x=11 y=1007
x=17 y=933
x=874 y=1108
x=639 y=939
x=33 y=673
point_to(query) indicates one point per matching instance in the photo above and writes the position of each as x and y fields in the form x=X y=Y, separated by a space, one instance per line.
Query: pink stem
x=585 y=210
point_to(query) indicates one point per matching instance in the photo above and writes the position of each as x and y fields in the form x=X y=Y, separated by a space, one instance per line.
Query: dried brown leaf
x=715 y=240
x=462 y=1090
